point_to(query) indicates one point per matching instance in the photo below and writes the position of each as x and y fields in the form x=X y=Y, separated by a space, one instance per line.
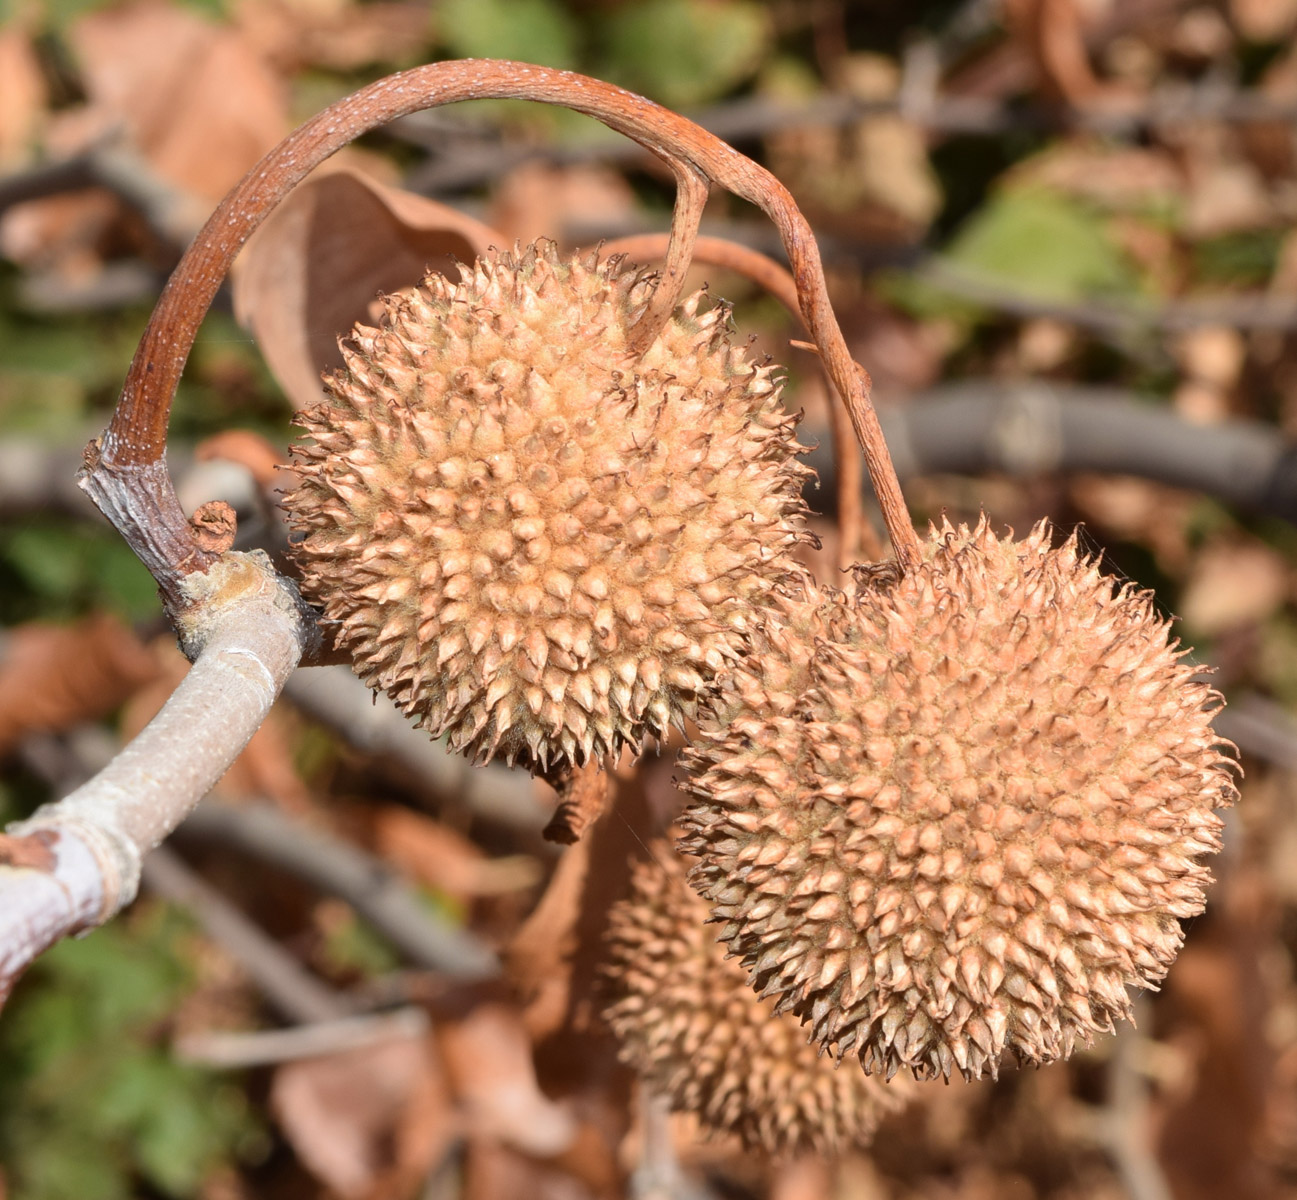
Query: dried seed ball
x=971 y=819
x=688 y=1022
x=537 y=543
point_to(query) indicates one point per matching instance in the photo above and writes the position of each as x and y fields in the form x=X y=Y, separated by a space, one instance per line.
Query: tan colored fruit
x=971 y=818
x=537 y=543
x=688 y=1022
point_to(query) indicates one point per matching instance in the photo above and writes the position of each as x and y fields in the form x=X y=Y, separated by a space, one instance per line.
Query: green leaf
x=684 y=52
x=1244 y=259
x=91 y=1105
x=1044 y=244
x=68 y=570
x=535 y=31
x=354 y=945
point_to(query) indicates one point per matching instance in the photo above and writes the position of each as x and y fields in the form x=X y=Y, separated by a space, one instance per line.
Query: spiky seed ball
x=971 y=818
x=689 y=1023
x=537 y=543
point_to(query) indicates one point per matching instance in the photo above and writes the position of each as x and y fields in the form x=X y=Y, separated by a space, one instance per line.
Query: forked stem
x=122 y=470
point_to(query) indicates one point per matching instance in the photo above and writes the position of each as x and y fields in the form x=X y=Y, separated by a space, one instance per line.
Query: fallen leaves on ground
x=371 y=1122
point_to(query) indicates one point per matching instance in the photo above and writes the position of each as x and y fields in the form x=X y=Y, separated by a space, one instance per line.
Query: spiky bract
x=537 y=543
x=971 y=817
x=687 y=1020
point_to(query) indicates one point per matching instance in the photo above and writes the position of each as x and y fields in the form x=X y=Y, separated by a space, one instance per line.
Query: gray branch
x=1036 y=428
x=75 y=863
x=336 y=868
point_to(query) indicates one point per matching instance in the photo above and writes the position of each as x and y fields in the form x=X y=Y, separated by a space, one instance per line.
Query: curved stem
x=855 y=533
x=136 y=436
x=691 y=198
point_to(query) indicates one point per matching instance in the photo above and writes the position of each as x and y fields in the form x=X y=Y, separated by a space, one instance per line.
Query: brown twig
x=691 y=198
x=125 y=474
x=238 y=1051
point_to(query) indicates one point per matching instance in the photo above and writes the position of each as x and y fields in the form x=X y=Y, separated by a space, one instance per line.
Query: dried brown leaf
x=538 y=200
x=1232 y=583
x=23 y=97
x=1226 y=195
x=341 y=35
x=53 y=677
x=492 y=1171
x=554 y=958
x=367 y=1122
x=261 y=458
x=1264 y=20
x=806 y=1178
x=1216 y=1000
x=437 y=856
x=196 y=100
x=488 y=1061
x=322 y=258
x=1213 y=354
x=1138 y=510
x=1053 y=33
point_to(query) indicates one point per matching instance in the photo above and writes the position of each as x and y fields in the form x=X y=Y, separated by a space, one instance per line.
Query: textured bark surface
x=249 y=634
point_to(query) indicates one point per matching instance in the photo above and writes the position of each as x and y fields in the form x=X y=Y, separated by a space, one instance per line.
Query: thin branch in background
x=1036 y=428
x=1120 y=1124
x=469 y=165
x=172 y=216
x=223 y=1050
x=658 y=1174
x=294 y=992
x=1112 y=315
x=371 y=723
x=336 y=868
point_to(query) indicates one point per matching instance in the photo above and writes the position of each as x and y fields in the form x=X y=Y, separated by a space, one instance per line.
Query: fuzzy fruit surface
x=539 y=544
x=961 y=814
x=688 y=1022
